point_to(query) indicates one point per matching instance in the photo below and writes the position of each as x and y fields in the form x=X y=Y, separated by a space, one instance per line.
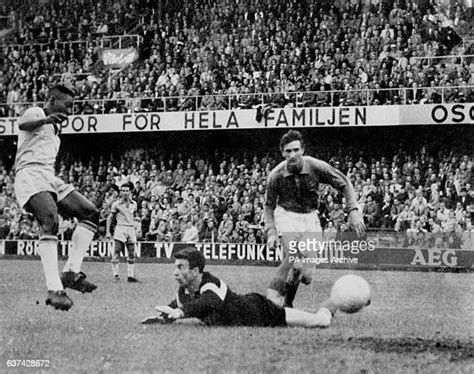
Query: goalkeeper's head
x=193 y=256
x=189 y=268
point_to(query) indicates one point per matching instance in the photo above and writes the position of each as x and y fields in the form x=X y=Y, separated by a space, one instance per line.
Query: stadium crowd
x=239 y=54
x=219 y=197
x=294 y=52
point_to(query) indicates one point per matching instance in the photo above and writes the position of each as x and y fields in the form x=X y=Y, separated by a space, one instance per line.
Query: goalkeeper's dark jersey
x=215 y=304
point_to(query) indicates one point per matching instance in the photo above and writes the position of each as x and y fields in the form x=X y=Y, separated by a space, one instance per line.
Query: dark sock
x=290 y=294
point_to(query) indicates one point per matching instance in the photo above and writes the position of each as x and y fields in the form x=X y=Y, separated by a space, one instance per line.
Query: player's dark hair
x=291 y=136
x=62 y=89
x=194 y=257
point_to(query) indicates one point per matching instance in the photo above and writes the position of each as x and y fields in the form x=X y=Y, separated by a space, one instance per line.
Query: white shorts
x=125 y=234
x=32 y=180
x=295 y=228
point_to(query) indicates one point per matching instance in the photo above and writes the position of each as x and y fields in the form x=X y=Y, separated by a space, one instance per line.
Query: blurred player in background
x=123 y=211
x=291 y=210
x=40 y=192
x=203 y=296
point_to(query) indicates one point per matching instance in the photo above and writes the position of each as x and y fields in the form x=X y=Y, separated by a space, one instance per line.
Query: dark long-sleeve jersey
x=215 y=304
x=298 y=192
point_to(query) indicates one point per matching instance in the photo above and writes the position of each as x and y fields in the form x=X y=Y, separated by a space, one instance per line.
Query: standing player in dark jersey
x=291 y=211
x=202 y=295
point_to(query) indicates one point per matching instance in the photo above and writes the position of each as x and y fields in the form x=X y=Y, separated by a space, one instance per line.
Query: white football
x=350 y=293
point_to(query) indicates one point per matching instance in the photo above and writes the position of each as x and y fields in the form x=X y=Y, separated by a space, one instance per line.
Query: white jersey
x=124 y=212
x=38 y=147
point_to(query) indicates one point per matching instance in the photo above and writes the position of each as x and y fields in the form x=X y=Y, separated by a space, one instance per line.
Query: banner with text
x=164 y=250
x=351 y=256
x=394 y=115
x=118 y=58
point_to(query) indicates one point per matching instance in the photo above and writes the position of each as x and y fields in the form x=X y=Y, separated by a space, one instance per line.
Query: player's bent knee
x=49 y=223
x=131 y=251
x=297 y=266
x=118 y=248
x=275 y=296
x=277 y=284
x=116 y=252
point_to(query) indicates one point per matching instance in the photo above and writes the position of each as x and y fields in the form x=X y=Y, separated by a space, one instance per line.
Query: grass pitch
x=417 y=322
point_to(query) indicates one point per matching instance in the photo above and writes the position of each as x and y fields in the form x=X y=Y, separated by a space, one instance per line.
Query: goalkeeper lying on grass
x=205 y=297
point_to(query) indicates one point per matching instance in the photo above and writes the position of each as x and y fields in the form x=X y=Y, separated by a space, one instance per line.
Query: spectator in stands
x=330 y=232
x=66 y=228
x=15 y=218
x=4 y=225
x=208 y=233
x=337 y=216
x=157 y=230
x=225 y=229
x=173 y=231
x=241 y=225
x=371 y=212
x=353 y=45
x=377 y=50
x=464 y=198
x=190 y=234
x=240 y=195
x=385 y=212
x=419 y=204
x=405 y=219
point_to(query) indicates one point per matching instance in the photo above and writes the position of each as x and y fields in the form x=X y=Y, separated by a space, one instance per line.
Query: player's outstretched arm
x=272 y=239
x=357 y=222
x=161 y=317
x=270 y=229
x=339 y=181
x=26 y=124
x=271 y=197
x=108 y=225
x=110 y=217
x=171 y=313
x=155 y=320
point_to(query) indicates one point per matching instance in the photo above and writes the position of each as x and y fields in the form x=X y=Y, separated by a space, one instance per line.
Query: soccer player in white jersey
x=124 y=235
x=40 y=192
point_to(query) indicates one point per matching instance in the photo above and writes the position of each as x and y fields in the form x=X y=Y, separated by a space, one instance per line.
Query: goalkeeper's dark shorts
x=257 y=310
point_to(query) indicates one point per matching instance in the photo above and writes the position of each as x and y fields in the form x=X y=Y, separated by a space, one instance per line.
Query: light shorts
x=32 y=180
x=298 y=227
x=125 y=234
